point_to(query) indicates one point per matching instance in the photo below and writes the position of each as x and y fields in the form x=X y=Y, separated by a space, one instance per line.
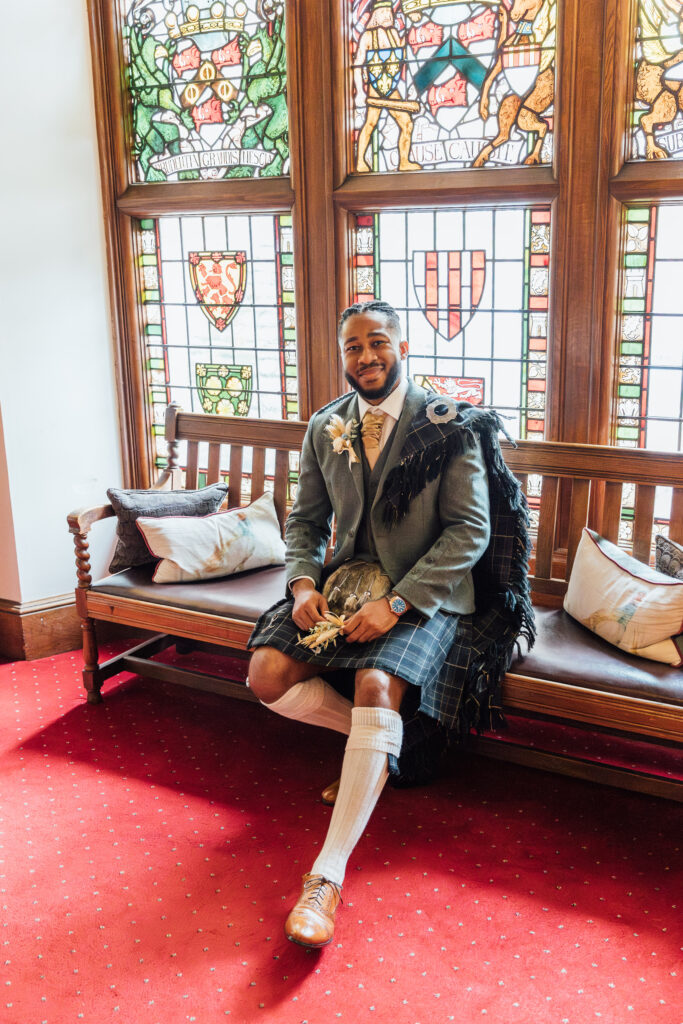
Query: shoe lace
x=314 y=890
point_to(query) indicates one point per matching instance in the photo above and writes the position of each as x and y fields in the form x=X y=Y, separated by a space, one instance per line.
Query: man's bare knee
x=272 y=673
x=378 y=689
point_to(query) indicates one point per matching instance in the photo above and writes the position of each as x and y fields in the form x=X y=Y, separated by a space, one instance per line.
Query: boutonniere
x=343 y=435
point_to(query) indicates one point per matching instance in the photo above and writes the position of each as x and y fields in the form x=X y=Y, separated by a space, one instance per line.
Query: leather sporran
x=353 y=584
x=347 y=589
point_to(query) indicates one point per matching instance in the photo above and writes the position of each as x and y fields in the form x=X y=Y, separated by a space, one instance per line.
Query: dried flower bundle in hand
x=323 y=633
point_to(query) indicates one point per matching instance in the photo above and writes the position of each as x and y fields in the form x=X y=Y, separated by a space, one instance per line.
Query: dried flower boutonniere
x=343 y=435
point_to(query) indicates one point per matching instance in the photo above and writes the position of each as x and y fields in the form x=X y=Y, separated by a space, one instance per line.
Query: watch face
x=397 y=605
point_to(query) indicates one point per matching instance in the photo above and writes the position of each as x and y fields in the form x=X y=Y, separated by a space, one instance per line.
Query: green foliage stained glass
x=207 y=88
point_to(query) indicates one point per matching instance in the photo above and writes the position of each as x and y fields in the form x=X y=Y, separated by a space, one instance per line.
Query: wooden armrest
x=82 y=519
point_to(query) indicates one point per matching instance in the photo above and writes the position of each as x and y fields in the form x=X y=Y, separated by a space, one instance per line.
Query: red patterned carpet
x=151 y=848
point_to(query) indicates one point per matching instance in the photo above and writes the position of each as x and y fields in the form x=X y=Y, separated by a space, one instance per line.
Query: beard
x=372 y=394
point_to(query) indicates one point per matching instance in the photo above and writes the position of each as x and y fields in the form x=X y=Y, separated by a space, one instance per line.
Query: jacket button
x=352 y=533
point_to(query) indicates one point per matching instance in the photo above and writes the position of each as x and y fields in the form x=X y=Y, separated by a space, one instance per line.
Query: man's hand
x=309 y=604
x=372 y=620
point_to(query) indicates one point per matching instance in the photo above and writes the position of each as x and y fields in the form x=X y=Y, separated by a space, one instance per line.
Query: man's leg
x=376 y=730
x=286 y=686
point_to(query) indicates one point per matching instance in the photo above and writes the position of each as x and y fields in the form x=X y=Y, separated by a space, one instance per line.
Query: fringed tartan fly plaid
x=467 y=692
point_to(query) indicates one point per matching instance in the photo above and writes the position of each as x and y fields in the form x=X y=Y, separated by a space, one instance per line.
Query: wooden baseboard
x=37 y=629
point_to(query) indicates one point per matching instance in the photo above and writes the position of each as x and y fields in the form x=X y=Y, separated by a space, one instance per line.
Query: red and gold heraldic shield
x=218 y=280
x=449 y=286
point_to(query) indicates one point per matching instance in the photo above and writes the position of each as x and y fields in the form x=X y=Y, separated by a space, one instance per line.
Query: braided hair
x=373 y=306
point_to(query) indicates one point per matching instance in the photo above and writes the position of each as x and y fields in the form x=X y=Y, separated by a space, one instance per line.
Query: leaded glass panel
x=207 y=89
x=471 y=286
x=217 y=294
x=649 y=411
x=657 y=115
x=650 y=388
x=443 y=84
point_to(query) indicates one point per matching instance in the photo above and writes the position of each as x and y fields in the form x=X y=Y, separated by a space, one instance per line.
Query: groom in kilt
x=406 y=476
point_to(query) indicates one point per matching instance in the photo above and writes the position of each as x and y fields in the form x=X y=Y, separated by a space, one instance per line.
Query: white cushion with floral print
x=626 y=602
x=221 y=544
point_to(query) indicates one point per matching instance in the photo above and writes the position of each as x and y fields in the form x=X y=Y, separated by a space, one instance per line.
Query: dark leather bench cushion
x=567 y=652
x=243 y=596
x=564 y=652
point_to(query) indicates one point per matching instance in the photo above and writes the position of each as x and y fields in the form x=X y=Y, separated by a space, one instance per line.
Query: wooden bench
x=570 y=675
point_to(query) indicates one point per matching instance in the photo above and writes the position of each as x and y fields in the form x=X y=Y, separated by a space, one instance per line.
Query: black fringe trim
x=427 y=449
x=504 y=612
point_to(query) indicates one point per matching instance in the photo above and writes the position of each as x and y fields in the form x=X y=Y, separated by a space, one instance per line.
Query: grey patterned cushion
x=668 y=557
x=131 y=549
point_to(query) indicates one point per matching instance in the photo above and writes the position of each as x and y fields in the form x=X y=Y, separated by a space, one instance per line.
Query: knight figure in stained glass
x=379 y=60
x=476 y=82
x=658 y=112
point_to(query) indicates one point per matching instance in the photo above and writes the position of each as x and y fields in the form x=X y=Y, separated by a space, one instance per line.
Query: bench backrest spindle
x=235 y=478
x=213 y=474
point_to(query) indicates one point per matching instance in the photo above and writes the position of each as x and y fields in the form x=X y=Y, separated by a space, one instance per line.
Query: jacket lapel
x=349 y=411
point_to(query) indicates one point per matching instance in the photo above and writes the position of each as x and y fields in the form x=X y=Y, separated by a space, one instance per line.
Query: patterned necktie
x=371 y=429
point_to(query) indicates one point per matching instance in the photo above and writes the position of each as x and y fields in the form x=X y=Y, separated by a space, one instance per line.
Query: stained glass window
x=443 y=84
x=217 y=294
x=207 y=88
x=471 y=286
x=657 y=117
x=650 y=397
x=650 y=387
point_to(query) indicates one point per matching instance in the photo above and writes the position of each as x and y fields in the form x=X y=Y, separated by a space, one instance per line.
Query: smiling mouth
x=372 y=371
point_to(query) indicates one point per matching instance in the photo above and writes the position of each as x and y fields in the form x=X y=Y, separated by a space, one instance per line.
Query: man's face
x=371 y=353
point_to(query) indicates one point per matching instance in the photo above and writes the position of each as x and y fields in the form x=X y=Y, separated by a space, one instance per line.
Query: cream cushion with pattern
x=626 y=602
x=204 y=547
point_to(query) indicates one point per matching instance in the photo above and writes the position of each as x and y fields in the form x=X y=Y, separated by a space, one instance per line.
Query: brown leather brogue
x=329 y=794
x=311 y=922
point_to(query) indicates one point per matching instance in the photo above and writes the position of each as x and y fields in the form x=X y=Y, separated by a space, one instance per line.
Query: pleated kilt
x=415 y=649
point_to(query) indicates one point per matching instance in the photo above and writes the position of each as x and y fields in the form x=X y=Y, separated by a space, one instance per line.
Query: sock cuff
x=302 y=698
x=382 y=717
x=376 y=729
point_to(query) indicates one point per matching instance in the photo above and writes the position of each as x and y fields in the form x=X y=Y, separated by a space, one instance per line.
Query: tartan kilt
x=415 y=649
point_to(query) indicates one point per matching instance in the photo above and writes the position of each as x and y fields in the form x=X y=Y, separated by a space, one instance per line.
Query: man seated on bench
x=426 y=524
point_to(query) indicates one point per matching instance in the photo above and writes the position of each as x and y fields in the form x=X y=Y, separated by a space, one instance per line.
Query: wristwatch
x=396 y=603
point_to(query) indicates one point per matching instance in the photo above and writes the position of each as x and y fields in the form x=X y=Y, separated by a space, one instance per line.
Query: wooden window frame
x=587 y=189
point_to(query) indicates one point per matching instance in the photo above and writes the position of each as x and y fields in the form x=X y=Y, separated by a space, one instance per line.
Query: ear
x=403 y=349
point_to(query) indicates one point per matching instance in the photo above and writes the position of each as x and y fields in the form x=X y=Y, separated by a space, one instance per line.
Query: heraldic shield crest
x=218 y=280
x=224 y=390
x=449 y=285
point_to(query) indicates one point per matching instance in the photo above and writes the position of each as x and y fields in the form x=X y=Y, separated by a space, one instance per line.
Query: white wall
x=61 y=445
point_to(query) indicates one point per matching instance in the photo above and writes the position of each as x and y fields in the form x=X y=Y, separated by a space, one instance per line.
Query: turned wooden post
x=91 y=679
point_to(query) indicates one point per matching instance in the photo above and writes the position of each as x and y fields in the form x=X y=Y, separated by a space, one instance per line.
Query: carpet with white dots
x=151 y=848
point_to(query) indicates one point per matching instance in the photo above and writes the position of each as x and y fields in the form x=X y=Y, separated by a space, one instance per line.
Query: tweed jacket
x=428 y=554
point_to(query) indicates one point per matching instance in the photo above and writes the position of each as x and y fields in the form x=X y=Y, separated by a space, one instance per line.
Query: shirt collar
x=392 y=405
